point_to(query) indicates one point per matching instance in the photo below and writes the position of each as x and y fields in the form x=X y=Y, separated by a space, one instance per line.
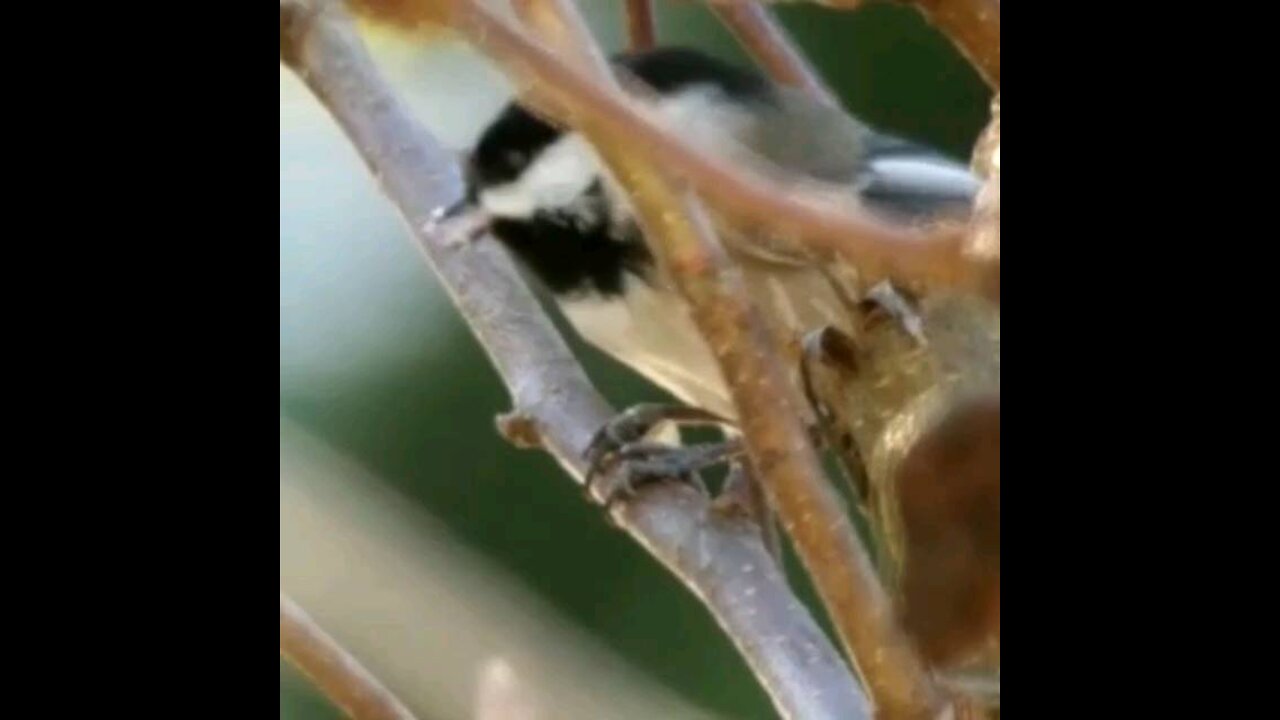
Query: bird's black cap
x=516 y=136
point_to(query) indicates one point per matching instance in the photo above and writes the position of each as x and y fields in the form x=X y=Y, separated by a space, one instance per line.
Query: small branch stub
x=520 y=430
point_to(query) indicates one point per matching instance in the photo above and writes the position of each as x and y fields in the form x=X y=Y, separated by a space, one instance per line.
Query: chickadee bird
x=553 y=203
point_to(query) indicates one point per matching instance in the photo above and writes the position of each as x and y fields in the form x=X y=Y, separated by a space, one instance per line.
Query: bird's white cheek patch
x=565 y=169
x=557 y=179
x=508 y=201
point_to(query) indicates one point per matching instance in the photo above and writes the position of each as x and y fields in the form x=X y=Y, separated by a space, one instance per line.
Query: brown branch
x=777 y=441
x=790 y=471
x=984 y=229
x=642 y=32
x=558 y=30
x=720 y=558
x=334 y=671
x=825 y=219
x=766 y=41
x=973 y=25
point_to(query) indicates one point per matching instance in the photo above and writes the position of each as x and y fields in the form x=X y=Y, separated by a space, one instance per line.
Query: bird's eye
x=515 y=157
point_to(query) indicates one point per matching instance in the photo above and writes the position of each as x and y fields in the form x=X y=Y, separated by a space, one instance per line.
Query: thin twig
x=720 y=558
x=777 y=442
x=766 y=41
x=973 y=25
x=825 y=219
x=334 y=671
x=642 y=32
x=984 y=230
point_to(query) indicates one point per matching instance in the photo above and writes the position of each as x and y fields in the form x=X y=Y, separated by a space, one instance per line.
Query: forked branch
x=720 y=558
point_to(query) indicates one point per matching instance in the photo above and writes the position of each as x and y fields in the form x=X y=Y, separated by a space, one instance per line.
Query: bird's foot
x=622 y=455
x=620 y=474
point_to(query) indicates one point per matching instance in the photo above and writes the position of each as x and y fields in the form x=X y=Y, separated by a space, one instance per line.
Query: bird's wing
x=902 y=179
x=795 y=142
x=800 y=142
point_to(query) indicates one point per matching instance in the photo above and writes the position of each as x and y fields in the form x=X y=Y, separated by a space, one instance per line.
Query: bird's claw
x=621 y=452
x=637 y=465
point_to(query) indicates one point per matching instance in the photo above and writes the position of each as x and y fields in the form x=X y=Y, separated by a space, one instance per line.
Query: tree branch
x=984 y=230
x=338 y=675
x=642 y=32
x=766 y=40
x=720 y=558
x=973 y=25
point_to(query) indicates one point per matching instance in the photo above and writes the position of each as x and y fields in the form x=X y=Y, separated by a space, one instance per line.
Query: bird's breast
x=648 y=329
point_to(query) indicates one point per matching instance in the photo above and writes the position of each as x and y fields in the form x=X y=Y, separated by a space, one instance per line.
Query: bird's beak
x=468 y=200
x=450 y=212
x=463 y=220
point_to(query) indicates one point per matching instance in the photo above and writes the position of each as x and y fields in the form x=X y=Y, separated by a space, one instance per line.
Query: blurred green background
x=374 y=362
